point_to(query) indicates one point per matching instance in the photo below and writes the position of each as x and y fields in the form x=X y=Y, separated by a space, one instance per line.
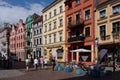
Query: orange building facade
x=80 y=30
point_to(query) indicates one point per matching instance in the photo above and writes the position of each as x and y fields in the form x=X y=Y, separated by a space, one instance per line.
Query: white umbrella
x=81 y=50
x=54 y=53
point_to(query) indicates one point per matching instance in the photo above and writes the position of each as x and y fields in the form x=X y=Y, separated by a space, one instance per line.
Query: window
x=116 y=27
x=61 y=22
x=45 y=17
x=34 y=42
x=40 y=41
x=37 y=41
x=70 y=21
x=54 y=37
x=61 y=9
x=85 y=0
x=49 y=38
x=54 y=12
x=116 y=9
x=77 y=2
x=45 y=28
x=102 y=13
x=69 y=5
x=50 y=15
x=37 y=31
x=34 y=32
x=78 y=18
x=87 y=31
x=60 y=36
x=87 y=15
x=77 y=33
x=40 y=31
x=54 y=25
x=28 y=43
x=50 y=27
x=103 y=32
x=45 y=39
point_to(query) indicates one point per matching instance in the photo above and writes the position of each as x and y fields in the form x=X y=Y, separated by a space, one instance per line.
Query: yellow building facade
x=53 y=37
x=107 y=26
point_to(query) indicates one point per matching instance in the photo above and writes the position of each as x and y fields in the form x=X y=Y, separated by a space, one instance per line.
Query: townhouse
x=37 y=36
x=107 y=27
x=54 y=31
x=79 y=19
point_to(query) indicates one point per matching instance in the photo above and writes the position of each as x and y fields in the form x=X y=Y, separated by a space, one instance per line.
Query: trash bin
x=59 y=67
x=79 y=71
x=68 y=69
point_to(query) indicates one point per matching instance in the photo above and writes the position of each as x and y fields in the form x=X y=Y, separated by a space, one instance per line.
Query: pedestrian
x=45 y=62
x=53 y=63
x=42 y=62
x=35 y=63
x=27 y=62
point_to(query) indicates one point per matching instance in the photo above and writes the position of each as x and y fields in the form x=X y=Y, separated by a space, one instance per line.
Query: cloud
x=11 y=14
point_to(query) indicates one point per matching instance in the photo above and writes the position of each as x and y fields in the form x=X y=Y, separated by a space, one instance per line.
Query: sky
x=13 y=10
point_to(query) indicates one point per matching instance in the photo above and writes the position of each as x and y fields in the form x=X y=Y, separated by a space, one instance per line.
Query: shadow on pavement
x=113 y=76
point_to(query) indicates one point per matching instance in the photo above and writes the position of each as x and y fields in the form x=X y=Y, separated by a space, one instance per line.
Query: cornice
x=51 y=5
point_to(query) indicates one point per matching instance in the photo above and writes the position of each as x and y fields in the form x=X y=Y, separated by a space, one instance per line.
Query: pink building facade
x=17 y=40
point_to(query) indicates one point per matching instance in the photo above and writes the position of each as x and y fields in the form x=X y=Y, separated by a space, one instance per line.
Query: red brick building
x=80 y=29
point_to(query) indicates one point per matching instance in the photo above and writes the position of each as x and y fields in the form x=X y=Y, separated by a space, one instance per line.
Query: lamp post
x=113 y=34
x=96 y=50
x=8 y=50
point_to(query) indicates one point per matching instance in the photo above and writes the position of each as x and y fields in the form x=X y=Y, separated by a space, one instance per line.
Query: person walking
x=27 y=62
x=45 y=62
x=42 y=62
x=53 y=63
x=35 y=63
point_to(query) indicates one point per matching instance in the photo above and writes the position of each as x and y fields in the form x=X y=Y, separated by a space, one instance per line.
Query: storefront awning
x=80 y=50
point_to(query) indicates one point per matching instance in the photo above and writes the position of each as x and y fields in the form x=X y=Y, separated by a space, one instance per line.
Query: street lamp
x=113 y=34
x=8 y=43
x=96 y=50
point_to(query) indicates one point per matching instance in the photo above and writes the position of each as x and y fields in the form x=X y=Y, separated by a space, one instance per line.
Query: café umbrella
x=80 y=50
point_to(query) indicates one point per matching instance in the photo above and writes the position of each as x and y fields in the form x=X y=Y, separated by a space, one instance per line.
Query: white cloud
x=11 y=14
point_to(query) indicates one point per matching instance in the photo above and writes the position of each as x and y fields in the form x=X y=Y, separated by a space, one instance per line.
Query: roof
x=51 y=5
x=40 y=18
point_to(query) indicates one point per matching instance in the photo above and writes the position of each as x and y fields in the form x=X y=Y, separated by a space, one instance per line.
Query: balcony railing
x=77 y=38
x=78 y=23
x=28 y=38
x=28 y=47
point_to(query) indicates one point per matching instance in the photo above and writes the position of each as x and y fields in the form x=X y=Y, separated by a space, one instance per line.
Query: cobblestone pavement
x=22 y=74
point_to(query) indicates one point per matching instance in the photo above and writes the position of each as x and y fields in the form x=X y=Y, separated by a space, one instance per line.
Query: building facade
x=54 y=31
x=17 y=39
x=13 y=40
x=3 y=43
x=107 y=26
x=29 y=36
x=37 y=36
x=80 y=30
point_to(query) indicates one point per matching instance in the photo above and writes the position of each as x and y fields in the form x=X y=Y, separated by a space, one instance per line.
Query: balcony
x=28 y=47
x=28 y=38
x=76 y=24
x=77 y=38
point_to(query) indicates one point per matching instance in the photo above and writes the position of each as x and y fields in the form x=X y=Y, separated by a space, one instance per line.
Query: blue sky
x=13 y=10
